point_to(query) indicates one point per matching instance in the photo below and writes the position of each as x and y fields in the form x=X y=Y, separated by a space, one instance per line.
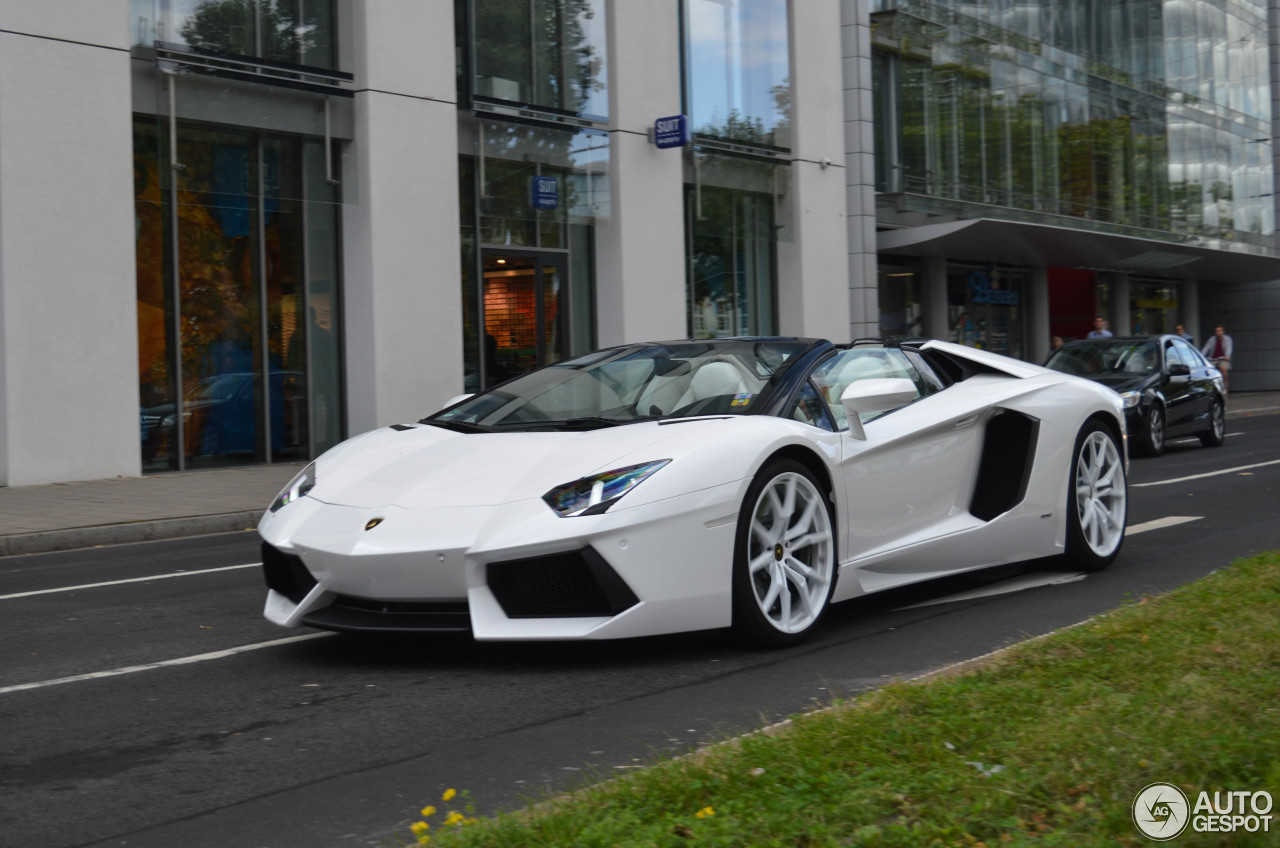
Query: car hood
x=428 y=466
x=1122 y=381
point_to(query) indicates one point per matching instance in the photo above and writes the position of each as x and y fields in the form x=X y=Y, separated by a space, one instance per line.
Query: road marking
x=1019 y=583
x=1235 y=470
x=212 y=655
x=129 y=580
x=1160 y=523
x=1023 y=582
x=1197 y=438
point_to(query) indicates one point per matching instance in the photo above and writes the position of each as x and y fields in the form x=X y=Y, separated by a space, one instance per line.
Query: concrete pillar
x=68 y=287
x=859 y=157
x=640 y=254
x=1037 y=346
x=402 y=290
x=1118 y=292
x=813 y=263
x=1189 y=310
x=933 y=291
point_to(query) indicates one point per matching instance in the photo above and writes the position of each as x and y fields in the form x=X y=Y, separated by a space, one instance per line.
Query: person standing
x=1099 y=330
x=1181 y=332
x=1218 y=350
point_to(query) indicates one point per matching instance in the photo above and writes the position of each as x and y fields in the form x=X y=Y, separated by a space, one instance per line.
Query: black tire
x=752 y=615
x=1101 y=503
x=1217 y=432
x=1152 y=441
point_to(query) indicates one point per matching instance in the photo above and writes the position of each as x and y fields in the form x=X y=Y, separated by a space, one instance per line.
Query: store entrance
x=524 y=311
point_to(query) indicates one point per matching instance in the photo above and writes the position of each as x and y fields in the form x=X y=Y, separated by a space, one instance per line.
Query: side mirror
x=456 y=400
x=874 y=395
x=1179 y=369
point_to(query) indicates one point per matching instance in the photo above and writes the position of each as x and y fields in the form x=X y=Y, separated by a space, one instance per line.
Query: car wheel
x=1152 y=443
x=1097 y=501
x=1217 y=432
x=784 y=557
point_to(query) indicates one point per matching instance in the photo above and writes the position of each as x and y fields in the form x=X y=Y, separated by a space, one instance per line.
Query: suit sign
x=671 y=132
x=545 y=192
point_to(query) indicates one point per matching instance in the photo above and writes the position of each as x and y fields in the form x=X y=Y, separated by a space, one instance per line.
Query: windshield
x=1086 y=359
x=634 y=383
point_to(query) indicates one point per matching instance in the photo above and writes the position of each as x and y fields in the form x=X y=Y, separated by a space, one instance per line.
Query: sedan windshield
x=1085 y=359
x=628 y=384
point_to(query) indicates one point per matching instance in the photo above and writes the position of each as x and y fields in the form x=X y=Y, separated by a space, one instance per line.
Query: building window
x=541 y=54
x=238 y=270
x=984 y=307
x=738 y=66
x=295 y=32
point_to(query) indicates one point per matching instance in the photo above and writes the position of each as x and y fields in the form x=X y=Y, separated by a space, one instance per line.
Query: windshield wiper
x=455 y=426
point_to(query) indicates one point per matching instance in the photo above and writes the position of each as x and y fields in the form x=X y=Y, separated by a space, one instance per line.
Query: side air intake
x=1007 y=451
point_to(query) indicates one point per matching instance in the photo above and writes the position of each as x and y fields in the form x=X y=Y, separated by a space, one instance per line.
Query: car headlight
x=1131 y=399
x=593 y=495
x=298 y=486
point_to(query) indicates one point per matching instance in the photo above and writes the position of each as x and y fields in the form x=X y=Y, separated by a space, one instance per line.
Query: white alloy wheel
x=789 y=554
x=1101 y=499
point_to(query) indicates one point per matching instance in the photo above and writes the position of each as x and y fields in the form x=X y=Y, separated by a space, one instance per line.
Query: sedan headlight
x=593 y=495
x=1131 y=399
x=298 y=486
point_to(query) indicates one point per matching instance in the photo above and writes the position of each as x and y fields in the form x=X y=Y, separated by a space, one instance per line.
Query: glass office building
x=1147 y=119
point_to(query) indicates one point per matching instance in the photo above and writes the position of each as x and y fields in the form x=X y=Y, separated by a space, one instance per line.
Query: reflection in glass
x=984 y=307
x=299 y=32
x=256 y=292
x=739 y=70
x=1149 y=115
x=731 y=265
x=549 y=54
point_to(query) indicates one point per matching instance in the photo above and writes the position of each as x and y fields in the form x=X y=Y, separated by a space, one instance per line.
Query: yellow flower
x=428 y=812
x=419 y=827
x=423 y=839
x=454 y=818
x=705 y=812
x=449 y=794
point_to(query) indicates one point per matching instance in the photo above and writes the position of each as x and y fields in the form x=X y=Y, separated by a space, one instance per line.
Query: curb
x=118 y=534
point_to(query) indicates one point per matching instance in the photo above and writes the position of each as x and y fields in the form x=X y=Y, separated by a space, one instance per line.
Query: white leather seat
x=713 y=379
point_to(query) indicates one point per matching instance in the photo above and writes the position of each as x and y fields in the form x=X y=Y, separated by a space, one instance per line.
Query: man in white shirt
x=1099 y=330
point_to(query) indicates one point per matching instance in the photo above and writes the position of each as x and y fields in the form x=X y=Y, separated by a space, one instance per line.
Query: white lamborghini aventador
x=674 y=486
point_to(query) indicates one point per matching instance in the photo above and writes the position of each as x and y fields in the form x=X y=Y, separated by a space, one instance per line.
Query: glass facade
x=985 y=308
x=237 y=197
x=295 y=32
x=1146 y=117
x=543 y=54
x=739 y=71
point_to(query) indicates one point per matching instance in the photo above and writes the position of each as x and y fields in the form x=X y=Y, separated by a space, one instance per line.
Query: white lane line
x=129 y=580
x=212 y=655
x=1160 y=523
x=1235 y=470
x=1197 y=438
x=1023 y=582
x=1003 y=587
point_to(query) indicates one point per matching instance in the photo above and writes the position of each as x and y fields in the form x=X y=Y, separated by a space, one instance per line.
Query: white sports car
x=675 y=486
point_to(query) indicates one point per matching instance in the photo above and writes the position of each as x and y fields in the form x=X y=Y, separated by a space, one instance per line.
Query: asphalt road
x=164 y=711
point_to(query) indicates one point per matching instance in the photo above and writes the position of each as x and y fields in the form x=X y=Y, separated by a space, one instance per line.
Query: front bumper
x=515 y=571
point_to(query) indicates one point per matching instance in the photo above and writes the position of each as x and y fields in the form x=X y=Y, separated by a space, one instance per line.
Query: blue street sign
x=545 y=192
x=671 y=132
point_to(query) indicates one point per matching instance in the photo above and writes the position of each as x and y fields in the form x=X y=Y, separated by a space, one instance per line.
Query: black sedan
x=1169 y=389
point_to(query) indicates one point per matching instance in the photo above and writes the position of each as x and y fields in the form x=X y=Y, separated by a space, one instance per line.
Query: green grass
x=1183 y=688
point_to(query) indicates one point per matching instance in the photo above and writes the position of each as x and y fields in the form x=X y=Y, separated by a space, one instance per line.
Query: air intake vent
x=286 y=574
x=1007 y=450
x=567 y=585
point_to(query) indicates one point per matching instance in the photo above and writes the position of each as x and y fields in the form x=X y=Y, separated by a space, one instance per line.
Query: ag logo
x=1161 y=811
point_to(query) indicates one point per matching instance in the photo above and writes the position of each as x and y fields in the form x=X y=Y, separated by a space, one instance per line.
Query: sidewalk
x=61 y=516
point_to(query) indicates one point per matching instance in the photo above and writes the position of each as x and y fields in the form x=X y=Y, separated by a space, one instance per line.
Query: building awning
x=1019 y=243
